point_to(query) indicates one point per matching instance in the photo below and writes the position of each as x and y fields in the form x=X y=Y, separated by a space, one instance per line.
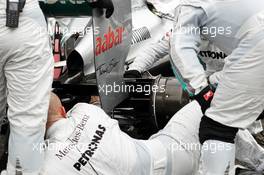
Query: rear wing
x=112 y=45
x=111 y=38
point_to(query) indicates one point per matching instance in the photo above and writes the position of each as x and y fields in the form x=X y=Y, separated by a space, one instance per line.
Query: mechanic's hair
x=54 y=104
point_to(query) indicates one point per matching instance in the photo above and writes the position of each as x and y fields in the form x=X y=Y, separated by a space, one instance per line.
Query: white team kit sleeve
x=185 y=45
x=152 y=54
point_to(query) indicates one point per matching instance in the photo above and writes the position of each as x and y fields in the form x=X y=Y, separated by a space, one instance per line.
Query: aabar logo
x=208 y=95
x=110 y=39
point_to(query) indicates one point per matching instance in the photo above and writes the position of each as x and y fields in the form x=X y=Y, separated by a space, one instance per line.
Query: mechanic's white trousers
x=217 y=158
x=180 y=136
x=26 y=69
x=249 y=152
x=239 y=97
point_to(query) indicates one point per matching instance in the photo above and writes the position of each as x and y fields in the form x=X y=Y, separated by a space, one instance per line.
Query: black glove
x=132 y=74
x=107 y=4
x=151 y=7
x=205 y=97
x=261 y=116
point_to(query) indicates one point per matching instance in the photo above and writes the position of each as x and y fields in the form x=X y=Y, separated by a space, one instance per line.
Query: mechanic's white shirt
x=90 y=142
x=230 y=19
x=90 y=134
x=210 y=55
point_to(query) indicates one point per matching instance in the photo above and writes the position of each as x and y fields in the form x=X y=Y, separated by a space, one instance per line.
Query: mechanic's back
x=232 y=14
x=235 y=27
x=90 y=142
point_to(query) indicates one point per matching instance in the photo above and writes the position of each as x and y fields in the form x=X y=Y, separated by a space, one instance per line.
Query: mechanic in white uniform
x=235 y=27
x=88 y=141
x=26 y=72
x=211 y=56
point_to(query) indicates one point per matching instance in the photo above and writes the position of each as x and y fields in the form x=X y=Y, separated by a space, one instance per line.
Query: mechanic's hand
x=4 y=172
x=132 y=74
x=204 y=97
x=106 y=4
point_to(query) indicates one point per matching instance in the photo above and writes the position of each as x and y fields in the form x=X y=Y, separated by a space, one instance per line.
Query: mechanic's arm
x=152 y=54
x=185 y=47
